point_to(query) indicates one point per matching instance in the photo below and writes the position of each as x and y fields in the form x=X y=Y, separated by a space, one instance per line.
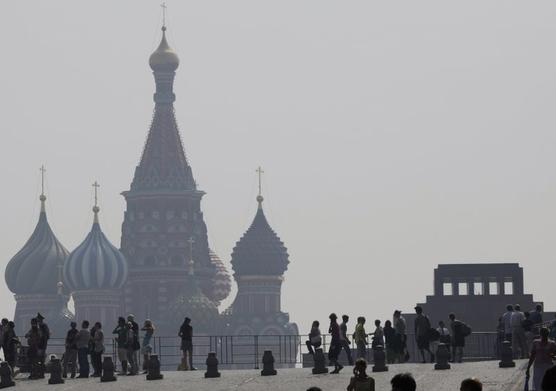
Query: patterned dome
x=194 y=304
x=221 y=282
x=260 y=251
x=95 y=263
x=164 y=59
x=34 y=269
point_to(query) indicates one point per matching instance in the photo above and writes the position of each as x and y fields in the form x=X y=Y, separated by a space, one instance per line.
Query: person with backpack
x=460 y=330
x=422 y=332
x=360 y=380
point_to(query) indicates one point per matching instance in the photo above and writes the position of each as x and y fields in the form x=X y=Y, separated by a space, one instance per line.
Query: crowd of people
x=84 y=347
x=392 y=337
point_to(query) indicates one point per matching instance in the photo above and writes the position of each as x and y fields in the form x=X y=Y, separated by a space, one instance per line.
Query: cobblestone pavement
x=494 y=379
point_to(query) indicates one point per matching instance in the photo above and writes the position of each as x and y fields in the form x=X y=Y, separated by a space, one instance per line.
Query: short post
x=507 y=356
x=212 y=366
x=442 y=357
x=6 y=379
x=379 y=358
x=55 y=372
x=320 y=362
x=268 y=364
x=107 y=370
x=153 y=368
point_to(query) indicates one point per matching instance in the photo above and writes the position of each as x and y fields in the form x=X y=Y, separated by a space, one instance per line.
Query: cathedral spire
x=42 y=196
x=96 y=208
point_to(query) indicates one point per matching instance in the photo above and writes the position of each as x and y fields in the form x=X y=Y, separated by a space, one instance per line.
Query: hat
x=39 y=316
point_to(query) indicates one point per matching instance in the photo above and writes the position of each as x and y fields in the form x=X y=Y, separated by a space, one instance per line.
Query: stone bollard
x=320 y=362
x=442 y=357
x=153 y=368
x=212 y=366
x=6 y=379
x=268 y=364
x=107 y=370
x=55 y=372
x=507 y=356
x=379 y=358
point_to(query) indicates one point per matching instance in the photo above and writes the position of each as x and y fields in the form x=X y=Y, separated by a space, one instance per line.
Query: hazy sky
x=394 y=135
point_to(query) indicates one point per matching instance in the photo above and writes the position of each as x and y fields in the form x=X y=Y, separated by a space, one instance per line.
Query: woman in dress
x=147 y=348
x=542 y=353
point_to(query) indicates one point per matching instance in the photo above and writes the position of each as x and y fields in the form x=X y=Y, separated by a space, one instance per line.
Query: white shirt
x=517 y=319
x=506 y=318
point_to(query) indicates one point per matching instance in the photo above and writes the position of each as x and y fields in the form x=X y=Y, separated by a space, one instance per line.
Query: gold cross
x=163 y=5
x=260 y=172
x=42 y=170
x=96 y=186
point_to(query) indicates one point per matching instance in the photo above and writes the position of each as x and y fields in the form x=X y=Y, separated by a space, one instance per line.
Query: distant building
x=477 y=293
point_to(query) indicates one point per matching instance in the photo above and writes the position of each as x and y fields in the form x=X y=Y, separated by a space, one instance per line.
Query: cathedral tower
x=163 y=210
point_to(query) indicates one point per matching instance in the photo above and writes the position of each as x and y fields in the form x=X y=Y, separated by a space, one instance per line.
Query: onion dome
x=221 y=282
x=95 y=263
x=34 y=269
x=164 y=59
x=260 y=251
x=193 y=303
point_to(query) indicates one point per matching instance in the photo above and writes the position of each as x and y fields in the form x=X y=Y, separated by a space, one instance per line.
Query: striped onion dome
x=221 y=282
x=34 y=269
x=95 y=263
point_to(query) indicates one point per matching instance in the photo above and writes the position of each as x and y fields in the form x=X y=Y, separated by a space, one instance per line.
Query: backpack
x=466 y=330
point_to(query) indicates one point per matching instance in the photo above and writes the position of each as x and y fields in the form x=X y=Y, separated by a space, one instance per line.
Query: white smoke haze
x=394 y=135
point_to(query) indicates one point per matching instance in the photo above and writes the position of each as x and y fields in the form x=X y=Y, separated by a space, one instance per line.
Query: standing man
x=186 y=334
x=33 y=337
x=45 y=336
x=9 y=344
x=360 y=338
x=121 y=340
x=335 y=344
x=422 y=329
x=536 y=317
x=83 y=339
x=507 y=320
x=458 y=338
x=97 y=349
x=70 y=354
x=400 y=328
x=344 y=339
x=135 y=346
x=519 y=341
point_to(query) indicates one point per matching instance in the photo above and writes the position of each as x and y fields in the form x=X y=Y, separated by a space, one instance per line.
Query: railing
x=246 y=351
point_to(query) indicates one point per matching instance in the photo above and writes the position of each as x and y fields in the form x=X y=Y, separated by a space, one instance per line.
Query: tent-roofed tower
x=33 y=275
x=163 y=208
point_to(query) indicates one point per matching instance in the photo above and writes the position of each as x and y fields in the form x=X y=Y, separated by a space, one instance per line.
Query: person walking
x=43 y=344
x=315 y=338
x=422 y=329
x=507 y=320
x=186 y=335
x=400 y=327
x=392 y=343
x=97 y=349
x=134 y=346
x=70 y=353
x=121 y=332
x=519 y=341
x=459 y=331
x=335 y=344
x=83 y=339
x=147 y=348
x=360 y=338
x=360 y=380
x=344 y=339
x=542 y=353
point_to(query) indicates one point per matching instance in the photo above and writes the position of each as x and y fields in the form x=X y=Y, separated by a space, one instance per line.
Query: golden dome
x=164 y=59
